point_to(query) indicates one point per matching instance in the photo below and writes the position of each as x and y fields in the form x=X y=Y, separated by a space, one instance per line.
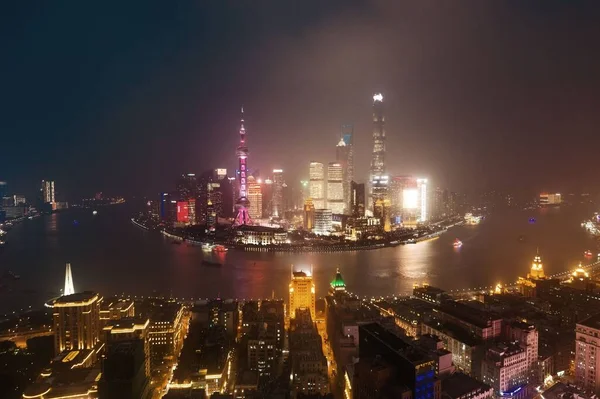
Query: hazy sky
x=122 y=96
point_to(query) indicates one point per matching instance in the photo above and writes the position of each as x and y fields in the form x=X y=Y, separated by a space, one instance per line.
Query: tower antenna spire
x=69 y=287
x=242 y=204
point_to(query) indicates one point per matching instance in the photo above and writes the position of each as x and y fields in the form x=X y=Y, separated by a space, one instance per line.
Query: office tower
x=323 y=222
x=211 y=216
x=335 y=188
x=380 y=187
x=124 y=372
x=76 y=321
x=165 y=202
x=215 y=195
x=48 y=192
x=309 y=215
x=423 y=202
x=3 y=189
x=255 y=198
x=186 y=187
x=277 y=202
x=345 y=156
x=186 y=212
x=242 y=203
x=302 y=292
x=378 y=159
x=438 y=210
x=69 y=287
x=587 y=358
x=357 y=199
x=267 y=197
x=317 y=184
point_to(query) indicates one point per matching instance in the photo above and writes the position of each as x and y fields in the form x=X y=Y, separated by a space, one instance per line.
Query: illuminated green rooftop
x=338 y=283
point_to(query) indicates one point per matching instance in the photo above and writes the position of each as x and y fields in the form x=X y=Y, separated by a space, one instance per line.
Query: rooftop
x=591 y=322
x=396 y=343
x=458 y=384
x=85 y=297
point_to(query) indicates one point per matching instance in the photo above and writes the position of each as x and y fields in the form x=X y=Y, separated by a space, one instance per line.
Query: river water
x=110 y=255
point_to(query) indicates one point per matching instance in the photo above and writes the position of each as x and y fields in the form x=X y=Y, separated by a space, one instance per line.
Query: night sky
x=122 y=96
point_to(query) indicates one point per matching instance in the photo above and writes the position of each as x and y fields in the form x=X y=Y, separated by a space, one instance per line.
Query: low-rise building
x=261 y=235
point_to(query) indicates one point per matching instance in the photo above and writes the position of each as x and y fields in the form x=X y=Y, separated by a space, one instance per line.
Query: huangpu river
x=111 y=255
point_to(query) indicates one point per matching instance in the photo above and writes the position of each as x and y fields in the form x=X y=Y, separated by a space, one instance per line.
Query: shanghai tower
x=377 y=191
x=242 y=204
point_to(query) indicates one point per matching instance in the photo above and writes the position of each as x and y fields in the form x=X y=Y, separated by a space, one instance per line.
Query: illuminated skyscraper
x=378 y=159
x=187 y=186
x=242 y=203
x=335 y=188
x=277 y=202
x=3 y=189
x=69 y=287
x=302 y=292
x=317 y=184
x=357 y=199
x=309 y=215
x=423 y=203
x=255 y=197
x=345 y=156
x=48 y=192
x=323 y=222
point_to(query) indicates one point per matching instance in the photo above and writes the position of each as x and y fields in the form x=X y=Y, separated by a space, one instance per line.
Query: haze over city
x=121 y=99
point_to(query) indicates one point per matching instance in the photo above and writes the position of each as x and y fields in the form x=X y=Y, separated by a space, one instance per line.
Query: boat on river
x=457 y=243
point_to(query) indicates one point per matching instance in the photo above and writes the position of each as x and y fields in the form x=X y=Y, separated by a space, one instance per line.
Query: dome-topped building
x=337 y=284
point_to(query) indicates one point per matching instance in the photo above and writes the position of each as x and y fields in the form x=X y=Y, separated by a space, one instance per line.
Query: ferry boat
x=588 y=253
x=220 y=248
x=206 y=246
x=457 y=243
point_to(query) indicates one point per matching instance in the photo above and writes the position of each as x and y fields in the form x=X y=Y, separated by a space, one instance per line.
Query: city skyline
x=459 y=99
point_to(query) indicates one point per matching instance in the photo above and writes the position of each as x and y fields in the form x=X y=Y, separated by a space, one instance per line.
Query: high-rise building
x=357 y=199
x=379 y=190
x=335 y=188
x=405 y=365
x=3 y=189
x=267 y=197
x=423 y=200
x=187 y=187
x=345 y=156
x=48 y=192
x=242 y=204
x=124 y=372
x=302 y=292
x=317 y=184
x=69 y=287
x=76 y=321
x=587 y=356
x=255 y=197
x=323 y=222
x=277 y=202
x=309 y=214
x=378 y=159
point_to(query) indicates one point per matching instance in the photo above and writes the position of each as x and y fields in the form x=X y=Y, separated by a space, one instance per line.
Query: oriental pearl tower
x=242 y=204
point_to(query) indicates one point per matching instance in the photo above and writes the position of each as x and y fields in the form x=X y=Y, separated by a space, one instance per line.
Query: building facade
x=302 y=293
x=587 y=353
x=76 y=320
x=335 y=188
x=323 y=221
x=317 y=184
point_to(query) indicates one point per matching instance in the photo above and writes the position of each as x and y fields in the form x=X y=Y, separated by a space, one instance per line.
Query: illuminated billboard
x=410 y=198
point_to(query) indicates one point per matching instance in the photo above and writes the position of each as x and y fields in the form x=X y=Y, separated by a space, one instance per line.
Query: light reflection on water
x=110 y=255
